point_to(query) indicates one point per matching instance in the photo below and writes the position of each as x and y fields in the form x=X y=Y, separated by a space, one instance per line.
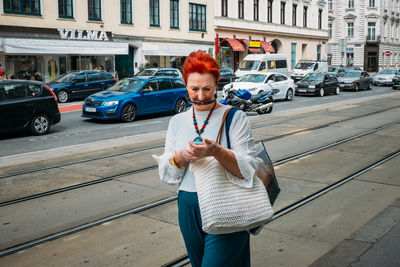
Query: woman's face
x=201 y=87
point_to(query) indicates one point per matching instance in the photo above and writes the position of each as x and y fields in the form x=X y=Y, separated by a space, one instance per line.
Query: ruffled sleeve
x=169 y=174
x=244 y=149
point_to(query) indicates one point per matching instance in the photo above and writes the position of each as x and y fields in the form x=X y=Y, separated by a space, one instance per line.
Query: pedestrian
x=186 y=142
x=100 y=67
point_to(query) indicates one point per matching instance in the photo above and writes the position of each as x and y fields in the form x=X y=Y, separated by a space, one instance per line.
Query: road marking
x=70 y=108
x=140 y=124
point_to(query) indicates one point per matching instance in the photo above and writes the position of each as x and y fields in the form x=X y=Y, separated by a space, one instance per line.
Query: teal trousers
x=209 y=250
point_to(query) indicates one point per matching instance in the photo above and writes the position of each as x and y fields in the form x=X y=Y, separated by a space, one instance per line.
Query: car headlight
x=110 y=103
x=311 y=86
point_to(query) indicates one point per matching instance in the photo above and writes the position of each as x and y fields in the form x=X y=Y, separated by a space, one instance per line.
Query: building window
x=224 y=8
x=269 y=11
x=293 y=56
x=283 y=7
x=154 y=13
x=305 y=9
x=256 y=10
x=197 y=17
x=371 y=3
x=350 y=29
x=241 y=9
x=65 y=9
x=351 y=3
x=94 y=9
x=330 y=4
x=294 y=14
x=318 y=52
x=126 y=11
x=319 y=18
x=26 y=7
x=174 y=14
x=330 y=30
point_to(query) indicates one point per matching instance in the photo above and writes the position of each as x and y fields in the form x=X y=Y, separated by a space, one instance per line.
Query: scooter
x=261 y=103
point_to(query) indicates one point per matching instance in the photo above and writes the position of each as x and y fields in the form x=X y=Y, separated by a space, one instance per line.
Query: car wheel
x=337 y=91
x=289 y=95
x=180 y=106
x=269 y=110
x=321 y=92
x=357 y=87
x=40 y=124
x=62 y=96
x=128 y=113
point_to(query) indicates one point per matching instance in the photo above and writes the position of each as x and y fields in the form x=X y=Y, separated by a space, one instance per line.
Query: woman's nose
x=200 y=95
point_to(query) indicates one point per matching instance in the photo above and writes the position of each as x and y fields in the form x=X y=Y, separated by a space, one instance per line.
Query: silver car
x=385 y=77
x=355 y=80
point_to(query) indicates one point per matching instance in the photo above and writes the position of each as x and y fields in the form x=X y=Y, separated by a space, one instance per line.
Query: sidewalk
x=376 y=244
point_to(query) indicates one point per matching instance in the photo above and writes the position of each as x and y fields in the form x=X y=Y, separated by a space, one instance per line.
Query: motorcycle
x=261 y=103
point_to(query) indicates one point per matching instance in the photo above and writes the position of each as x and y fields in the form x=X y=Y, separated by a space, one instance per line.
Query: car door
x=148 y=100
x=17 y=105
x=96 y=83
x=79 y=86
x=328 y=84
x=364 y=80
x=282 y=85
x=167 y=95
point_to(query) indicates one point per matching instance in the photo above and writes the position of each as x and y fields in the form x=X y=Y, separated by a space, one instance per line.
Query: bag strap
x=218 y=140
x=228 y=125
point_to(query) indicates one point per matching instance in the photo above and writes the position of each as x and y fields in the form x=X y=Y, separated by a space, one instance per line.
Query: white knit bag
x=224 y=206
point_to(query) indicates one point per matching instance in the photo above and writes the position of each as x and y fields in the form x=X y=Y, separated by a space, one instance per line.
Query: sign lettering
x=69 y=34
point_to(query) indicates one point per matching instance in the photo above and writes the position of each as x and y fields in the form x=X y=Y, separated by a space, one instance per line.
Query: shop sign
x=83 y=35
x=350 y=49
x=255 y=44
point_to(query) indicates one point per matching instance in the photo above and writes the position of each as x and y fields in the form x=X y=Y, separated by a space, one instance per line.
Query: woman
x=191 y=135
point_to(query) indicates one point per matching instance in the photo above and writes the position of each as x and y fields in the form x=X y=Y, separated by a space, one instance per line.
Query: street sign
x=388 y=53
x=342 y=45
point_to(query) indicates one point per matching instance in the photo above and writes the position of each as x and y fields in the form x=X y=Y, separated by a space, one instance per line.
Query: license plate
x=302 y=90
x=341 y=85
x=90 y=109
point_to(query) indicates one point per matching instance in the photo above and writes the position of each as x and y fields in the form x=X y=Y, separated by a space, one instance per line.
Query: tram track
x=173 y=198
x=257 y=126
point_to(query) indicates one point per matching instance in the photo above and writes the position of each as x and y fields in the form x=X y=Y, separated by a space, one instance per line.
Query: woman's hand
x=205 y=149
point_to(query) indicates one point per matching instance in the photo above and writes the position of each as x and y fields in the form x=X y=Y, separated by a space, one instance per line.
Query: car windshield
x=64 y=78
x=351 y=74
x=253 y=78
x=225 y=71
x=304 y=65
x=314 y=77
x=249 y=65
x=127 y=85
x=146 y=73
x=388 y=72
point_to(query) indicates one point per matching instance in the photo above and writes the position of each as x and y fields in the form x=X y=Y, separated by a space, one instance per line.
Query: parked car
x=156 y=72
x=264 y=81
x=137 y=96
x=396 y=81
x=355 y=80
x=80 y=84
x=385 y=77
x=338 y=71
x=27 y=105
x=318 y=84
x=227 y=76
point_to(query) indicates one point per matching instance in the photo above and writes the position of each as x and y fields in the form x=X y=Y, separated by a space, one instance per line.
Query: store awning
x=267 y=47
x=254 y=50
x=171 y=49
x=62 y=47
x=235 y=44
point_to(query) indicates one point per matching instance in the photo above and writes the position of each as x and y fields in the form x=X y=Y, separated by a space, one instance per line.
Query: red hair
x=200 y=62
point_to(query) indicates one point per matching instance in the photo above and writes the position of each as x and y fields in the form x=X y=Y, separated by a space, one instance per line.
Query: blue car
x=137 y=96
x=80 y=84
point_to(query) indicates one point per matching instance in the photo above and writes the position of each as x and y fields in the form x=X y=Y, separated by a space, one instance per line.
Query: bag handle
x=218 y=140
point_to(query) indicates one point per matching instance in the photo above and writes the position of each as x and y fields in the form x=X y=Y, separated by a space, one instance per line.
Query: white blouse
x=181 y=131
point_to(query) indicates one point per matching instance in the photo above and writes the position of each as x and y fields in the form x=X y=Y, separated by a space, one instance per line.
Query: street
x=73 y=129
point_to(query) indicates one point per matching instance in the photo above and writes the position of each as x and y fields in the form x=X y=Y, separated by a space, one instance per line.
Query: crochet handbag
x=224 y=206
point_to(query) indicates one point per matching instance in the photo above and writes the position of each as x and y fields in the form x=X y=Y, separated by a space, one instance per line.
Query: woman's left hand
x=205 y=149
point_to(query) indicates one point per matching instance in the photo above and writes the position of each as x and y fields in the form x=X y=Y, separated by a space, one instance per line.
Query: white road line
x=141 y=124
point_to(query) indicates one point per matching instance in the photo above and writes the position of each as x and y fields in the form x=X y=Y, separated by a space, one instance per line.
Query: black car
x=396 y=81
x=28 y=105
x=227 y=76
x=80 y=84
x=318 y=84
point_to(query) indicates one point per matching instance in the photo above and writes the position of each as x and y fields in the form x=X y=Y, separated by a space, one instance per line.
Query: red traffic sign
x=388 y=53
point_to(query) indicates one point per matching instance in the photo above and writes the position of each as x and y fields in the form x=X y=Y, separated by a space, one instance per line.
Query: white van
x=263 y=62
x=307 y=66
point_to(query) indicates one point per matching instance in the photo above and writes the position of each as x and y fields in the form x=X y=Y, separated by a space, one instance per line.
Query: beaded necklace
x=199 y=139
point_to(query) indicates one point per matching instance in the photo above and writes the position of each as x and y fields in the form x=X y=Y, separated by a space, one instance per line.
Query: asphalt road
x=74 y=129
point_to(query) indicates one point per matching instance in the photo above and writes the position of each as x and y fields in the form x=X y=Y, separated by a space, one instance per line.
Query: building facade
x=364 y=33
x=48 y=38
x=296 y=28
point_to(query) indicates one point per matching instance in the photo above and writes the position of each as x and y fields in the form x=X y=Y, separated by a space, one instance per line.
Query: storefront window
x=27 y=7
x=94 y=9
x=65 y=9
